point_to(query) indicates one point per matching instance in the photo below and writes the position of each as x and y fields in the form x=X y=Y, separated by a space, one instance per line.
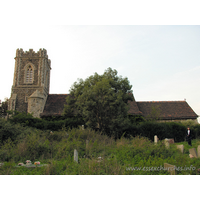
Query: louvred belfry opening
x=29 y=75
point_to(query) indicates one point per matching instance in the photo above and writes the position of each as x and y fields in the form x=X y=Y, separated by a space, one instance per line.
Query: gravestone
x=198 y=151
x=155 y=139
x=170 y=168
x=193 y=152
x=171 y=140
x=191 y=156
x=75 y=155
x=180 y=147
x=82 y=127
x=166 y=143
x=87 y=144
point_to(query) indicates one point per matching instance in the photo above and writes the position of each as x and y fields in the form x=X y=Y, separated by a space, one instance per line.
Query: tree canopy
x=102 y=101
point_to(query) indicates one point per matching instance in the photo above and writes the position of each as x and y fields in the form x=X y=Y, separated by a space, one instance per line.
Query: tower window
x=29 y=75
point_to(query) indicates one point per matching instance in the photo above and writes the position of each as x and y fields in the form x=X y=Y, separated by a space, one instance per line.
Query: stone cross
x=198 y=151
x=193 y=152
x=75 y=155
x=180 y=147
x=170 y=168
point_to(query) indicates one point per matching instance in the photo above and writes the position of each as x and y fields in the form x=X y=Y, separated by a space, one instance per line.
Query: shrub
x=8 y=130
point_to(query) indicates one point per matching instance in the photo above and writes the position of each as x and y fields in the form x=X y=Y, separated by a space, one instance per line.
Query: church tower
x=31 y=81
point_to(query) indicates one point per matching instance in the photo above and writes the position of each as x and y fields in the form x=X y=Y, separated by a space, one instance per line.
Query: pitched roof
x=133 y=108
x=54 y=105
x=168 y=109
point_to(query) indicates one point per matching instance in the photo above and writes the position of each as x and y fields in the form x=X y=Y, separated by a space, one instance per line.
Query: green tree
x=4 y=107
x=155 y=113
x=102 y=101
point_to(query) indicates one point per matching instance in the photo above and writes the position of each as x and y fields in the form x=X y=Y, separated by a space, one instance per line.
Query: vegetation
x=133 y=155
x=3 y=107
x=102 y=101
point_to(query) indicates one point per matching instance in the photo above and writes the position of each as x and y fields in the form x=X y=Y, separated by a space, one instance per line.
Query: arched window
x=29 y=75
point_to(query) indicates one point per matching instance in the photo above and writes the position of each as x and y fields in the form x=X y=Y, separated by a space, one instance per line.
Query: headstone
x=170 y=168
x=87 y=144
x=191 y=156
x=166 y=143
x=180 y=147
x=82 y=127
x=75 y=155
x=171 y=140
x=155 y=139
x=198 y=151
x=193 y=152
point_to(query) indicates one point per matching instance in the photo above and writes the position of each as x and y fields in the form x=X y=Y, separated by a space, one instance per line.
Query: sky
x=161 y=62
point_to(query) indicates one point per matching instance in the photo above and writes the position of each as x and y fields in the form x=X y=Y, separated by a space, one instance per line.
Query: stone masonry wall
x=41 y=67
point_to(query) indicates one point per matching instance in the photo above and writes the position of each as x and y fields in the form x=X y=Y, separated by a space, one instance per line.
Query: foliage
x=51 y=123
x=102 y=101
x=136 y=155
x=4 y=108
x=162 y=130
x=8 y=130
x=154 y=114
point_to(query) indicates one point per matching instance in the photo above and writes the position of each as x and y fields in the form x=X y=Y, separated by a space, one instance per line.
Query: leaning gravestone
x=193 y=152
x=75 y=155
x=180 y=147
x=170 y=168
x=198 y=151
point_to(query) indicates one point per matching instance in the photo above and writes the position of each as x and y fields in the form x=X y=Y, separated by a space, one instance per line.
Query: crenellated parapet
x=42 y=53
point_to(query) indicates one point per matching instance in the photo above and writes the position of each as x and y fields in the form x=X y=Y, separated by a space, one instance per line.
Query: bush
x=162 y=130
x=8 y=130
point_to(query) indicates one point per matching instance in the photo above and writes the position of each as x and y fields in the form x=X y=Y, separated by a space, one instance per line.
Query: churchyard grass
x=103 y=155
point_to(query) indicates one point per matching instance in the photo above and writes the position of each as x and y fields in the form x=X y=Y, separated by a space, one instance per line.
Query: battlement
x=31 y=53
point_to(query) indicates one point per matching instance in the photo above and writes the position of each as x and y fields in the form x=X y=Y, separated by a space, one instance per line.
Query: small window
x=26 y=99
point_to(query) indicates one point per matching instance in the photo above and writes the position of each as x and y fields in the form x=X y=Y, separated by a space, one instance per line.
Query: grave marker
x=198 y=151
x=171 y=140
x=87 y=144
x=155 y=139
x=170 y=168
x=166 y=143
x=193 y=152
x=75 y=155
x=181 y=148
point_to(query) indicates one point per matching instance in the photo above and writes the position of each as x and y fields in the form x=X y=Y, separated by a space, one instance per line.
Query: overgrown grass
x=136 y=155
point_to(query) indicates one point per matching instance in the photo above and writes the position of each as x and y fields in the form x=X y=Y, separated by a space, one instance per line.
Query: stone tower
x=31 y=81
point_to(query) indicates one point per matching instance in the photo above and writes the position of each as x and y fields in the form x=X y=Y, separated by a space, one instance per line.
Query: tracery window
x=29 y=75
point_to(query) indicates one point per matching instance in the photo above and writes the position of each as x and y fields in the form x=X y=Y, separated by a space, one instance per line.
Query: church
x=30 y=92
